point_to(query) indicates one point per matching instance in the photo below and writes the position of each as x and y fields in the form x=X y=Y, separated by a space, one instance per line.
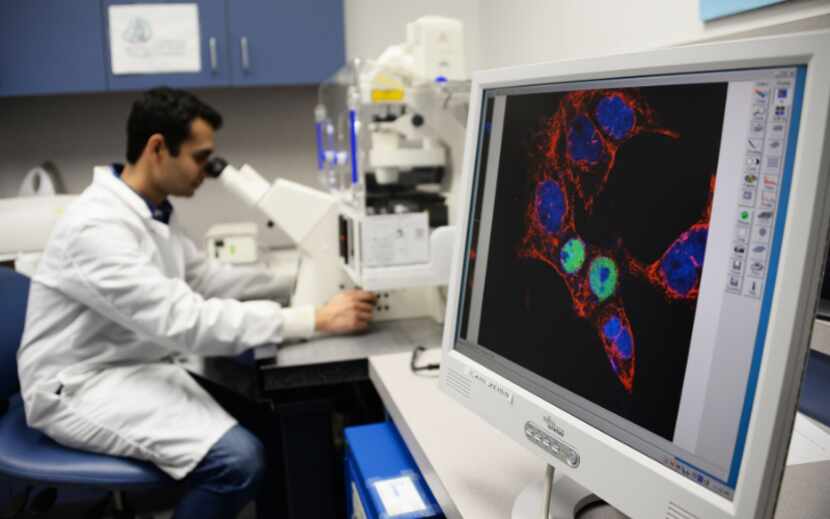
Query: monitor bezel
x=793 y=304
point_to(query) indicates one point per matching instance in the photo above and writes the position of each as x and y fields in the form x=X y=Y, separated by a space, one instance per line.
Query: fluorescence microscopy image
x=601 y=217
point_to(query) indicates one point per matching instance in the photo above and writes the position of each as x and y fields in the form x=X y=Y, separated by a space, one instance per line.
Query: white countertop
x=472 y=469
x=476 y=472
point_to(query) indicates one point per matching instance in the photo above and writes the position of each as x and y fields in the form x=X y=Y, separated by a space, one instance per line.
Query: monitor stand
x=568 y=500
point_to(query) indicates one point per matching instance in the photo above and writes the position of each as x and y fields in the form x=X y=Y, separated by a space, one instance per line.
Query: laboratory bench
x=335 y=359
x=315 y=389
x=320 y=386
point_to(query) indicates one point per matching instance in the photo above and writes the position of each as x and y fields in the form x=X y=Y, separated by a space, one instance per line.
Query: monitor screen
x=622 y=249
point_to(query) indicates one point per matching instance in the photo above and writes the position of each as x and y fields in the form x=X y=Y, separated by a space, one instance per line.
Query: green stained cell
x=572 y=255
x=603 y=277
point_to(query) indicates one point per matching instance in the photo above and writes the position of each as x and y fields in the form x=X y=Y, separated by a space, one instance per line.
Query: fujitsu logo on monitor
x=553 y=427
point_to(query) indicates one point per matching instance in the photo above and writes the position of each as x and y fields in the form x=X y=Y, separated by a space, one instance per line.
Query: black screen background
x=658 y=188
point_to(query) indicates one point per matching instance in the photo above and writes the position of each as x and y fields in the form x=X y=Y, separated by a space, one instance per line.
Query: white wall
x=373 y=25
x=529 y=31
x=270 y=128
x=522 y=31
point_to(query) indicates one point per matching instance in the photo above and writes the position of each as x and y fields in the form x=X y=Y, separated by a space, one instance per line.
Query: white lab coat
x=115 y=295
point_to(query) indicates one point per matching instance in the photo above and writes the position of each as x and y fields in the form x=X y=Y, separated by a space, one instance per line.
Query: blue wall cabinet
x=213 y=50
x=51 y=46
x=60 y=46
x=279 y=42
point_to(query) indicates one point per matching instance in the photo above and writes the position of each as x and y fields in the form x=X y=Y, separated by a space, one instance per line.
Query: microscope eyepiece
x=215 y=166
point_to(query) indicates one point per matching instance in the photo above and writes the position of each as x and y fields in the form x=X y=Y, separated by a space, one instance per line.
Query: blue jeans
x=226 y=479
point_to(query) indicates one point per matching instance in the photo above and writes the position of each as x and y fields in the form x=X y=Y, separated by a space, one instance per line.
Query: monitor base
x=569 y=500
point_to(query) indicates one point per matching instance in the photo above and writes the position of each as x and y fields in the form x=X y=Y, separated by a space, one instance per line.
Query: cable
x=413 y=362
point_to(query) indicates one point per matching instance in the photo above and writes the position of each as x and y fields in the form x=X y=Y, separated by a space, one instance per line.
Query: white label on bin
x=399 y=496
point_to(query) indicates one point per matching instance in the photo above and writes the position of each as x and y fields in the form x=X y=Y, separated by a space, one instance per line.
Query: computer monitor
x=642 y=242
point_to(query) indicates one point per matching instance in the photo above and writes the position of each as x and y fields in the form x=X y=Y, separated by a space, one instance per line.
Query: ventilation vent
x=676 y=511
x=458 y=383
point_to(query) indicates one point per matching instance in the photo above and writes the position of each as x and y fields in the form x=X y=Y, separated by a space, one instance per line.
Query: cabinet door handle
x=214 y=59
x=246 y=60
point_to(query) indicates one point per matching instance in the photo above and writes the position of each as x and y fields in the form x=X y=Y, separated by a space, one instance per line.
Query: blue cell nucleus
x=623 y=343
x=682 y=264
x=612 y=328
x=614 y=116
x=550 y=205
x=696 y=243
x=678 y=270
x=618 y=335
x=584 y=143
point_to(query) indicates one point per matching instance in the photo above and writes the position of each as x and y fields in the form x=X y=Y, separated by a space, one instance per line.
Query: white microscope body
x=390 y=139
x=307 y=215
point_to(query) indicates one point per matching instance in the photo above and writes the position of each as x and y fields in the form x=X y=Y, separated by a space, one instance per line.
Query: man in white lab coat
x=120 y=289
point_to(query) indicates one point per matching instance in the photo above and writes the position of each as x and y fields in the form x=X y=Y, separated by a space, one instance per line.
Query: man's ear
x=155 y=145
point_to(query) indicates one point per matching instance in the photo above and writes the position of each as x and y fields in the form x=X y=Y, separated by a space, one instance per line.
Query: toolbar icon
x=760 y=95
x=768 y=199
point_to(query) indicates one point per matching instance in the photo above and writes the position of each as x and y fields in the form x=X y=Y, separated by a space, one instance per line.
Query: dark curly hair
x=167 y=111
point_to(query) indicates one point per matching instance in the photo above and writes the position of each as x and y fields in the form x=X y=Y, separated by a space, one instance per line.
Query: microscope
x=390 y=136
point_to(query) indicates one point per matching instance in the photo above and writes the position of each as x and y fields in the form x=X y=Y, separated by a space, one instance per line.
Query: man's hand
x=348 y=311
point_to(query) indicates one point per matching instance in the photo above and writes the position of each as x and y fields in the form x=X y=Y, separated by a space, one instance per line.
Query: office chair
x=28 y=456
